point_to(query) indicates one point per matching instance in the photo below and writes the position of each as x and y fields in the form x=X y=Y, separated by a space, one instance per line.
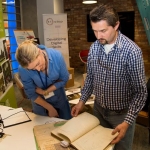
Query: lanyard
x=45 y=85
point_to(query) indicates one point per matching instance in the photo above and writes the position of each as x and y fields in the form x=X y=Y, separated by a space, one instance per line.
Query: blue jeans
x=111 y=119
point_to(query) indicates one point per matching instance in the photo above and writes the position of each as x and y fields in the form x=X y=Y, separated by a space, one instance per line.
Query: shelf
x=10 y=13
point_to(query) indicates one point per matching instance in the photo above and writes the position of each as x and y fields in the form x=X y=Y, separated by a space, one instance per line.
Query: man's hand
x=77 y=108
x=121 y=129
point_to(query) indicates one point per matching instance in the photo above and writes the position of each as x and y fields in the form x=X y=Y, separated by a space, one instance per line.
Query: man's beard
x=103 y=41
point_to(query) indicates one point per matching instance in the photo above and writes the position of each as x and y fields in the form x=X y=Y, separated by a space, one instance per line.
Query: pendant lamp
x=89 y=2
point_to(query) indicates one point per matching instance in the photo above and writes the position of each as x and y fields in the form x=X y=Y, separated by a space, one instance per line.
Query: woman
x=44 y=75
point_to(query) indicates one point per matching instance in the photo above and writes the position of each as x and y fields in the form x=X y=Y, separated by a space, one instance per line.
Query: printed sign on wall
x=56 y=33
x=7 y=94
x=22 y=35
x=5 y=68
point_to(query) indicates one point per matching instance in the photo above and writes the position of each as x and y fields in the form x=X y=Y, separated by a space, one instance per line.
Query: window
x=12 y=21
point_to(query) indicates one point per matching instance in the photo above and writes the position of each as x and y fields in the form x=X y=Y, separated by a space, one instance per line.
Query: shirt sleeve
x=63 y=72
x=137 y=77
x=29 y=86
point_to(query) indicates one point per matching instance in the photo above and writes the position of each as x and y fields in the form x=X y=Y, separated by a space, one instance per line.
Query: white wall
x=28 y=10
x=58 y=6
x=47 y=7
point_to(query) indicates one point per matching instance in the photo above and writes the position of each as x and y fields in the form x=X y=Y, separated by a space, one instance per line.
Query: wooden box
x=70 y=82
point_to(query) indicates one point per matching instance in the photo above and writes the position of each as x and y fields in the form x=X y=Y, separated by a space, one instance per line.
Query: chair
x=83 y=57
x=144 y=115
x=20 y=87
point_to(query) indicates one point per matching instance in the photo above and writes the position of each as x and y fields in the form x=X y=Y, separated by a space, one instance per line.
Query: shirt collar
x=42 y=47
x=118 y=42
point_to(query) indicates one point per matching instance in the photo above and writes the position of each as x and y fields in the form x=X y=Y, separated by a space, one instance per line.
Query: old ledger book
x=84 y=132
x=43 y=138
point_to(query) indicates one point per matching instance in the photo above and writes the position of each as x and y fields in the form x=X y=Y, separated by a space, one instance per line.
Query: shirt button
x=103 y=105
x=104 y=72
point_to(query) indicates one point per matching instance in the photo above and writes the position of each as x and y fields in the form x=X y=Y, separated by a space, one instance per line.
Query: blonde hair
x=26 y=53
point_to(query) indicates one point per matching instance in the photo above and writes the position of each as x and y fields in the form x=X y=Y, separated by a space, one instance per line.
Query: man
x=115 y=74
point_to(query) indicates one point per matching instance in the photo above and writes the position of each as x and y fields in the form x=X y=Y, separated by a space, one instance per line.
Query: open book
x=84 y=132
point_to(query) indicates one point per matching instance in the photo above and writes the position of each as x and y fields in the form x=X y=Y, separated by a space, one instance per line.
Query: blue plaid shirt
x=118 y=78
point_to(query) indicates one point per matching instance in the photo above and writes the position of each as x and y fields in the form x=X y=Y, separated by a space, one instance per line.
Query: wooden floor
x=140 y=141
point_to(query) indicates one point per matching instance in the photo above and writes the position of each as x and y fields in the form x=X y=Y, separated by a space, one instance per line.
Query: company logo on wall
x=49 y=21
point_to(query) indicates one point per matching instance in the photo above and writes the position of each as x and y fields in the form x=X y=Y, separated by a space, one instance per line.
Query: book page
x=96 y=139
x=73 y=91
x=77 y=126
x=43 y=137
x=14 y=117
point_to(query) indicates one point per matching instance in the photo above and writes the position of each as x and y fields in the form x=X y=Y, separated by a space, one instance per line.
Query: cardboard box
x=70 y=82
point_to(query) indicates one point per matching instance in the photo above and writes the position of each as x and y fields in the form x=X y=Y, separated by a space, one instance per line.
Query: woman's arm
x=63 y=71
x=51 y=110
x=45 y=92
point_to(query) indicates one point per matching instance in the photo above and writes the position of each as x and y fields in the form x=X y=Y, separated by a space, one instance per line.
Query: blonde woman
x=44 y=75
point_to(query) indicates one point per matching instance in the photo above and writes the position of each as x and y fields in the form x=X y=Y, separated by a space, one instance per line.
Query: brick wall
x=76 y=13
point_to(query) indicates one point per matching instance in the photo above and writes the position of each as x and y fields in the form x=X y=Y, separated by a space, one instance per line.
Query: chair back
x=19 y=85
x=83 y=55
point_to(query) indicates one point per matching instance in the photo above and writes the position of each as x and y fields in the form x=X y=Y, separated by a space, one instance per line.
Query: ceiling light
x=89 y=2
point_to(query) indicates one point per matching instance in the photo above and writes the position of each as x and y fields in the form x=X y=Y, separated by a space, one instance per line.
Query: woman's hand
x=52 y=112
x=40 y=91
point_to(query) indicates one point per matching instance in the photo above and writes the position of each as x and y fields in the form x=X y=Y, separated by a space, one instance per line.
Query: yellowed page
x=96 y=139
x=43 y=137
x=77 y=126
